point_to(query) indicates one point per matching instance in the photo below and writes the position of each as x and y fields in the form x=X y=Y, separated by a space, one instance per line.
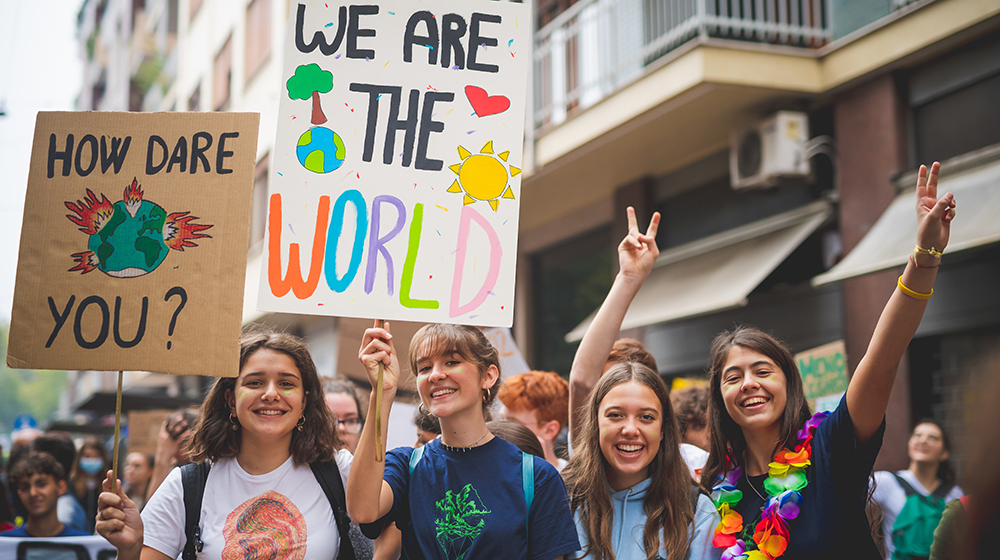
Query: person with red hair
x=540 y=401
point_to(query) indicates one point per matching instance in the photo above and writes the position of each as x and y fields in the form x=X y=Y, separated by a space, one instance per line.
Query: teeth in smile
x=269 y=412
x=753 y=401
x=440 y=392
x=629 y=448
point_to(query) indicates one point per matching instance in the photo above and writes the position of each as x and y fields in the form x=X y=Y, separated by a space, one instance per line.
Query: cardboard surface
x=395 y=181
x=144 y=430
x=133 y=248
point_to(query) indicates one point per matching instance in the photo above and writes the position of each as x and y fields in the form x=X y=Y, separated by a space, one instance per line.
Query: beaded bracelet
x=914 y=261
x=918 y=250
x=911 y=293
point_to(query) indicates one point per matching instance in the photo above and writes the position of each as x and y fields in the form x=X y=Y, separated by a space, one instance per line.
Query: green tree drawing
x=308 y=82
x=461 y=521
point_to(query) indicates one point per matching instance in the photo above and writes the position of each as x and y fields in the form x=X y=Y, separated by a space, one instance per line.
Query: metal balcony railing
x=597 y=47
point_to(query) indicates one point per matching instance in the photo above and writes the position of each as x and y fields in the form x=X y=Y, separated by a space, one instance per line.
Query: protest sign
x=395 y=181
x=133 y=245
x=824 y=375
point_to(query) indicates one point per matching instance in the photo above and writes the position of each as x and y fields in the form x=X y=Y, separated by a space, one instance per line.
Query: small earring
x=423 y=410
x=486 y=398
x=302 y=422
x=232 y=420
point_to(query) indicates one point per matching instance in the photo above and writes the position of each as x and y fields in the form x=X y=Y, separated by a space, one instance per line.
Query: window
x=258 y=37
x=223 y=76
x=954 y=102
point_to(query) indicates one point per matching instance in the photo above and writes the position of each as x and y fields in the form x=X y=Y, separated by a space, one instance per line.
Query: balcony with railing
x=597 y=47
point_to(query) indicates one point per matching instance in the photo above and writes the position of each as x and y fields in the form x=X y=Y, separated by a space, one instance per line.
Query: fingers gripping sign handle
x=379 y=452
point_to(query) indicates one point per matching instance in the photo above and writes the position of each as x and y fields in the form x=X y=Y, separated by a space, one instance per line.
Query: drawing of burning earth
x=129 y=238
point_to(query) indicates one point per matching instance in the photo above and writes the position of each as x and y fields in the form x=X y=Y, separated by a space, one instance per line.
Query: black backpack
x=194 y=476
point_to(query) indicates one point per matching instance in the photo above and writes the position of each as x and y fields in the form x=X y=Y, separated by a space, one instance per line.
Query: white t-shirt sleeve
x=344 y=460
x=163 y=517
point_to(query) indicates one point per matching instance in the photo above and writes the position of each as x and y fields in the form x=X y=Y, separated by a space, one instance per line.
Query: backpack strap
x=907 y=487
x=942 y=490
x=415 y=457
x=328 y=476
x=528 y=485
x=193 y=478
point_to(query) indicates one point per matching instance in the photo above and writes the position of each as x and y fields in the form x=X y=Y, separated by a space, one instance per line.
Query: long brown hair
x=213 y=437
x=668 y=500
x=436 y=339
x=726 y=437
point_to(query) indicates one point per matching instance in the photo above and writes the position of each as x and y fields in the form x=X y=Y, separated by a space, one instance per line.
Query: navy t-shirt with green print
x=472 y=505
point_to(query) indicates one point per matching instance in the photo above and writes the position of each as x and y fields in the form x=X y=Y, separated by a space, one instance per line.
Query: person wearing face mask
x=907 y=495
x=91 y=462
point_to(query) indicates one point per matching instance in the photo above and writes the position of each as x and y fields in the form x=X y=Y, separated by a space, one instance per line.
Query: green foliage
x=27 y=391
x=149 y=72
x=309 y=78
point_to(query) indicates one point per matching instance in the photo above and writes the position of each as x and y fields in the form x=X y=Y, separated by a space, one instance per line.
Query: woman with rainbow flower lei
x=790 y=485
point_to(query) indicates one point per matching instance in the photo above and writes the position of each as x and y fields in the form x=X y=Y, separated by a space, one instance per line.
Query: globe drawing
x=320 y=150
x=129 y=245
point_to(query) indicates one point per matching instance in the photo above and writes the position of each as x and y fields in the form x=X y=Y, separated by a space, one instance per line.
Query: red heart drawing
x=485 y=105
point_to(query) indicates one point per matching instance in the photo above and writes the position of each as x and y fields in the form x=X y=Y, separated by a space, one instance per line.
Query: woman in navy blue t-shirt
x=466 y=494
x=791 y=485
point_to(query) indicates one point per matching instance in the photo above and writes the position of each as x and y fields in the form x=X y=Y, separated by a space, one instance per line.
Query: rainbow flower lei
x=786 y=477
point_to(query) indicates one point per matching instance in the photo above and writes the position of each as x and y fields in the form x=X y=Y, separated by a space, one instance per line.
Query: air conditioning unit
x=771 y=150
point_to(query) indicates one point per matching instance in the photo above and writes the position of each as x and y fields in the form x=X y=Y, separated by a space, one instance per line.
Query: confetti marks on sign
x=484 y=104
x=483 y=176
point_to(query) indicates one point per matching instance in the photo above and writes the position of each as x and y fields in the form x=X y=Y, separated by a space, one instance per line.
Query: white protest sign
x=512 y=362
x=396 y=177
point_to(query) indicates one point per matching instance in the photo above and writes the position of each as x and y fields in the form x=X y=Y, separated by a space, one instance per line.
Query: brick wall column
x=871 y=140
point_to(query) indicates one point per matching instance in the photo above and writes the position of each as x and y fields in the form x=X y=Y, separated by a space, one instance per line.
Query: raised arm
x=369 y=497
x=868 y=392
x=636 y=255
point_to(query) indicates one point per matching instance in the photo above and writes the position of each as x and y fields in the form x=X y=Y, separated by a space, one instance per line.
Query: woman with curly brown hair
x=261 y=431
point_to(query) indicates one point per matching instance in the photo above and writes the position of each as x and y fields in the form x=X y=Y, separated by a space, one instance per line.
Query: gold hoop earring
x=423 y=410
x=302 y=422
x=486 y=398
x=232 y=420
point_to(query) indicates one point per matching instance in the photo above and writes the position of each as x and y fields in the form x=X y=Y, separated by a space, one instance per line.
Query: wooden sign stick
x=118 y=428
x=379 y=452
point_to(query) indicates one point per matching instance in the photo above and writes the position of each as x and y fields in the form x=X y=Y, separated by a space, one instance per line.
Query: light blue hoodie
x=629 y=521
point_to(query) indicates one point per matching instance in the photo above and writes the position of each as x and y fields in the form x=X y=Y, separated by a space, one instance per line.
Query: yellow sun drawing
x=483 y=176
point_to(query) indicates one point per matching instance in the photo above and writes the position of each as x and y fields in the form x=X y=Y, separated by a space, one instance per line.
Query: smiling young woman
x=630 y=492
x=929 y=475
x=262 y=431
x=464 y=494
x=791 y=485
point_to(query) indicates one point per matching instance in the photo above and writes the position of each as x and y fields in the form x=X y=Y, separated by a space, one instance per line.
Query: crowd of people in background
x=280 y=463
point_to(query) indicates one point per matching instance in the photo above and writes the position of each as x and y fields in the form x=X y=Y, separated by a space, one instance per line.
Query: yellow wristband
x=911 y=293
x=918 y=250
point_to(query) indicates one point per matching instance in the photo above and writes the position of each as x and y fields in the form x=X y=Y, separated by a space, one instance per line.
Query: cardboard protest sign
x=395 y=181
x=824 y=375
x=133 y=246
